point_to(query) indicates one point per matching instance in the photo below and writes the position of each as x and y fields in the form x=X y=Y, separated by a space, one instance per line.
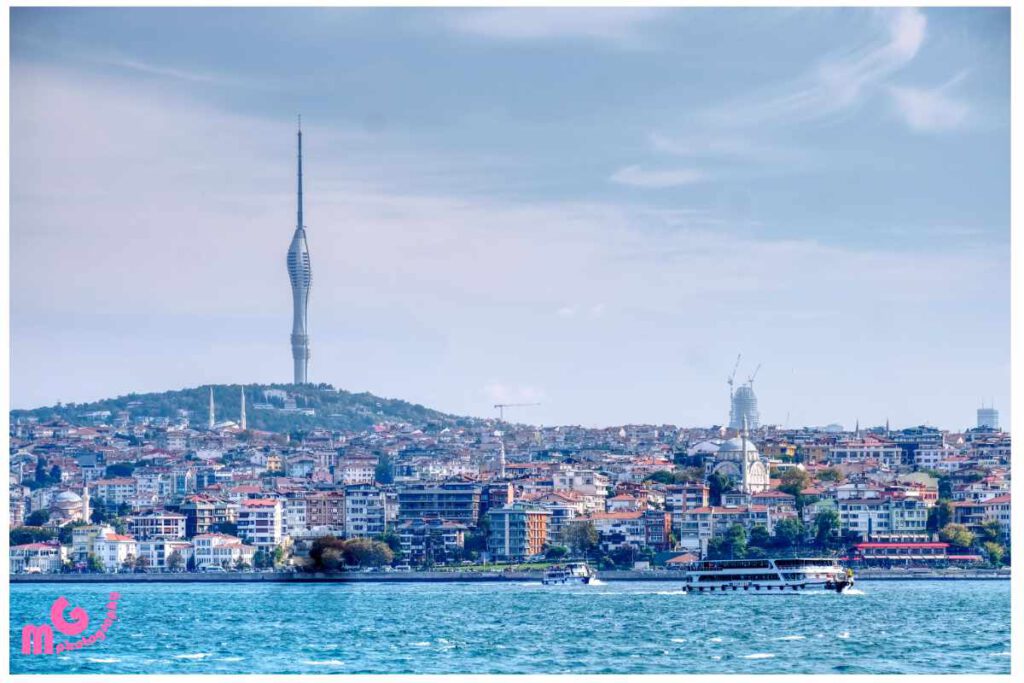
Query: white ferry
x=767 y=575
x=577 y=573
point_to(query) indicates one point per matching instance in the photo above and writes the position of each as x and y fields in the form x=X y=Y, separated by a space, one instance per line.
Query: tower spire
x=299 y=225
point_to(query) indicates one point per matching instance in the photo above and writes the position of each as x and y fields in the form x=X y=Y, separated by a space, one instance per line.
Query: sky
x=594 y=210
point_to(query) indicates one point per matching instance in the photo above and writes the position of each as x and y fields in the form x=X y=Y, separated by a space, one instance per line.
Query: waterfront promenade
x=457 y=576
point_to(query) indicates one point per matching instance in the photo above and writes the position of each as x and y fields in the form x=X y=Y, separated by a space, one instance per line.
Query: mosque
x=738 y=459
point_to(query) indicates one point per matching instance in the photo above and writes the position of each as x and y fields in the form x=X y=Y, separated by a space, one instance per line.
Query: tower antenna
x=299 y=225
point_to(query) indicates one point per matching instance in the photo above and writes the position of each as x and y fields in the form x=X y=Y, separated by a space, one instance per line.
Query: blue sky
x=590 y=209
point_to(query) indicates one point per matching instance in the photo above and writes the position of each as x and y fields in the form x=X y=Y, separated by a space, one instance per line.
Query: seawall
x=452 y=577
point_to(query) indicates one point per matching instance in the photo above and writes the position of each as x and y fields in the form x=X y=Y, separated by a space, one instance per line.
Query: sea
x=881 y=627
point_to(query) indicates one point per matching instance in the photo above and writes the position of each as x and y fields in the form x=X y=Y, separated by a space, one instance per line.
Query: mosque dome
x=737 y=446
x=67 y=499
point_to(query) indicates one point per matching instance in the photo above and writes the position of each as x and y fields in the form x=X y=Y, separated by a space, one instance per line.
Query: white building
x=219 y=550
x=114 y=549
x=884 y=519
x=36 y=558
x=260 y=522
x=365 y=511
x=157 y=551
x=157 y=524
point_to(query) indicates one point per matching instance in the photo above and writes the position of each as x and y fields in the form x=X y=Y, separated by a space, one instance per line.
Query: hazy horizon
x=594 y=210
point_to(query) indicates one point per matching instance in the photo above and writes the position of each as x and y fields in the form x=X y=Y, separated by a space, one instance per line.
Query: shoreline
x=454 y=577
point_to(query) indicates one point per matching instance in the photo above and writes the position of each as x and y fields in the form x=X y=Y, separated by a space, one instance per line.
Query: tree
x=384 y=473
x=175 y=561
x=229 y=528
x=991 y=531
x=957 y=535
x=581 y=537
x=717 y=547
x=261 y=559
x=38 y=518
x=826 y=528
x=241 y=564
x=55 y=475
x=142 y=563
x=939 y=515
x=759 y=536
x=556 y=552
x=393 y=541
x=995 y=552
x=93 y=563
x=366 y=552
x=21 y=535
x=789 y=533
x=661 y=477
x=624 y=555
x=793 y=481
x=129 y=562
x=718 y=484
x=326 y=553
x=98 y=514
x=65 y=534
x=736 y=541
x=831 y=474
x=279 y=555
x=120 y=469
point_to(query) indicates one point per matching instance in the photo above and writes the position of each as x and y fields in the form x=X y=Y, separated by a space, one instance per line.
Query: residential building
x=518 y=531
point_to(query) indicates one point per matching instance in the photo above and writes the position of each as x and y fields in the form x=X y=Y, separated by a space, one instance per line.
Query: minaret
x=86 y=511
x=301 y=277
x=745 y=465
x=241 y=419
x=212 y=420
x=501 y=459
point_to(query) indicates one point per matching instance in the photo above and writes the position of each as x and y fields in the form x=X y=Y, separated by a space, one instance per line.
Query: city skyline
x=604 y=257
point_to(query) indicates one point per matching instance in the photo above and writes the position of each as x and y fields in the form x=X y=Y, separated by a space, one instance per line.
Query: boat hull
x=769 y=587
x=567 y=581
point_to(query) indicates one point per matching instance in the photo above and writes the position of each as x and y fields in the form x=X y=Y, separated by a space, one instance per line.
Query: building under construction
x=743 y=402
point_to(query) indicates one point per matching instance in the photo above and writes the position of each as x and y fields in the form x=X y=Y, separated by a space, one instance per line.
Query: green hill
x=332 y=408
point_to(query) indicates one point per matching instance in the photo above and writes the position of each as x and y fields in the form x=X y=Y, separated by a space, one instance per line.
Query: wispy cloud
x=637 y=176
x=931 y=110
x=621 y=27
x=837 y=83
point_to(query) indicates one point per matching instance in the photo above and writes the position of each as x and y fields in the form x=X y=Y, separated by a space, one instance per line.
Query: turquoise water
x=883 y=627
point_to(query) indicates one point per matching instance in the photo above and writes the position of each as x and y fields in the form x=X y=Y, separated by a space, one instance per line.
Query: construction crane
x=750 y=380
x=501 y=408
x=732 y=377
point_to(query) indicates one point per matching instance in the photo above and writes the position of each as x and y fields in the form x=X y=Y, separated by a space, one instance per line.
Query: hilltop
x=270 y=407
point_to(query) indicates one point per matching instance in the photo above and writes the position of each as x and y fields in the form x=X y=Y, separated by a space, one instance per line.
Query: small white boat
x=573 y=573
x=767 y=575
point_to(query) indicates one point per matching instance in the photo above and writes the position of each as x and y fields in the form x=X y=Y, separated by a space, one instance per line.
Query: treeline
x=334 y=409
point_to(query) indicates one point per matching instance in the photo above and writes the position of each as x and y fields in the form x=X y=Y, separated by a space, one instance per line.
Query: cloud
x=621 y=27
x=931 y=110
x=637 y=176
x=837 y=83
